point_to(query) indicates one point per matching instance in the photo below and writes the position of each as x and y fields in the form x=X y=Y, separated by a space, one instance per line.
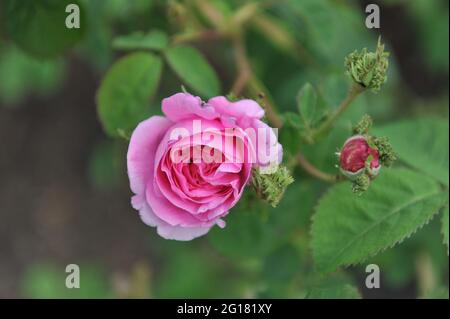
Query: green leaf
x=153 y=40
x=325 y=28
x=335 y=292
x=125 y=92
x=39 y=27
x=445 y=226
x=421 y=143
x=307 y=104
x=190 y=65
x=348 y=229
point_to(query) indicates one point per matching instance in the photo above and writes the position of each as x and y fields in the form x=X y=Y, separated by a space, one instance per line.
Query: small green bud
x=368 y=68
x=363 y=126
x=361 y=184
x=385 y=150
x=271 y=187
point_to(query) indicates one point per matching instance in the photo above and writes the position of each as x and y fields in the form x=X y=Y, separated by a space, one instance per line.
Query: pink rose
x=189 y=168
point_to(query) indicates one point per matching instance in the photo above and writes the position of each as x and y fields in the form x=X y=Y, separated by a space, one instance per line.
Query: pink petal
x=182 y=233
x=167 y=231
x=183 y=106
x=141 y=151
x=239 y=109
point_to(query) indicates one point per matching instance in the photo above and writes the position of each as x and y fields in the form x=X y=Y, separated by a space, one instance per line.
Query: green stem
x=354 y=91
x=314 y=171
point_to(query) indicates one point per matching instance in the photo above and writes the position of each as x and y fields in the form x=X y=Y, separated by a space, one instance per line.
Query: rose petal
x=182 y=233
x=141 y=150
x=238 y=110
x=183 y=106
x=167 y=231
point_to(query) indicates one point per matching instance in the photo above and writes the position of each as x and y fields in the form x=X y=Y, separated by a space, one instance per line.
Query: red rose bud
x=357 y=156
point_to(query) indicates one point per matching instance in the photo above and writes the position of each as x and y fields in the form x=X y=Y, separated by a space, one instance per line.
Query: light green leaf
x=421 y=143
x=445 y=226
x=190 y=65
x=334 y=292
x=153 y=40
x=124 y=95
x=307 y=104
x=39 y=27
x=348 y=229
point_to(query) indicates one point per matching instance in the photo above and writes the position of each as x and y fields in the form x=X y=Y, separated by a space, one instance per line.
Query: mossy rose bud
x=357 y=157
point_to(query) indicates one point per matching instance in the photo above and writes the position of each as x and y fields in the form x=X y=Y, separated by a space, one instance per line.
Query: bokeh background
x=64 y=195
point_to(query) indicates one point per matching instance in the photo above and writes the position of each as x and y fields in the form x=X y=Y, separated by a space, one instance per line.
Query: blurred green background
x=64 y=195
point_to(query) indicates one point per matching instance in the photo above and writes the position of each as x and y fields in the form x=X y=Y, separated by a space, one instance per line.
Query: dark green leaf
x=190 y=65
x=39 y=27
x=307 y=104
x=153 y=40
x=348 y=229
x=124 y=95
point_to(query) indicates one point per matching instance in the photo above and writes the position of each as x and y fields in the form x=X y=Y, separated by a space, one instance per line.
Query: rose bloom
x=355 y=153
x=189 y=168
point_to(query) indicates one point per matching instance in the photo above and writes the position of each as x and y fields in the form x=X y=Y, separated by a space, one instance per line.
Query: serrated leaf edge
x=358 y=262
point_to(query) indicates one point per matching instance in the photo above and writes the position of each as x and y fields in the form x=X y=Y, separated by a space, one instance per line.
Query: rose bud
x=358 y=157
